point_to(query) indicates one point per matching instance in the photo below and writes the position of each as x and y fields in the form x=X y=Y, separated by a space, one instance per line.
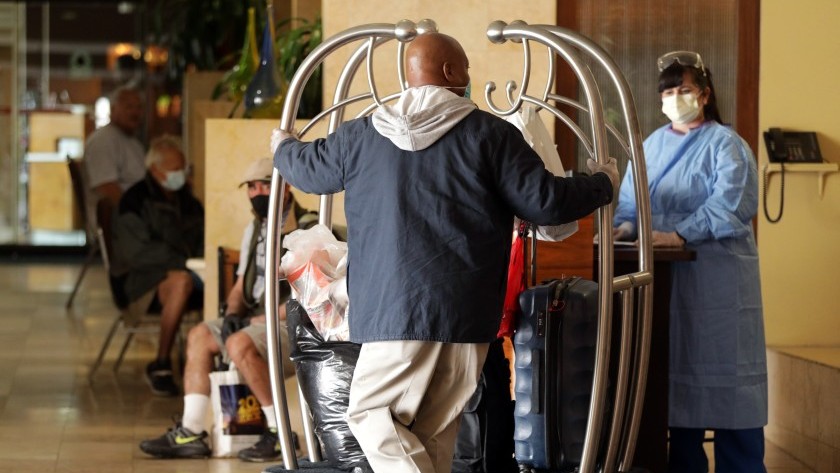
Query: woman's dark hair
x=672 y=76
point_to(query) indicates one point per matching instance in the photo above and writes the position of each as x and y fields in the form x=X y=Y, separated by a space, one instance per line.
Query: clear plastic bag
x=315 y=266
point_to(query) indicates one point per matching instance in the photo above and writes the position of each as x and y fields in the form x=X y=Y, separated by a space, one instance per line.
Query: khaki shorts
x=257 y=333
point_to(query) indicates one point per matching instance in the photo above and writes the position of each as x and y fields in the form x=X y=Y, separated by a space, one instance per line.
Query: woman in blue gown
x=704 y=195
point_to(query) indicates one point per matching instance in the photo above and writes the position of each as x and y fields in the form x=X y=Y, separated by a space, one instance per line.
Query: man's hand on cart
x=278 y=136
x=610 y=169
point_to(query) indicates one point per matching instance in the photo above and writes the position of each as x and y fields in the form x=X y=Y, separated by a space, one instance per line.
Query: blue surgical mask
x=175 y=180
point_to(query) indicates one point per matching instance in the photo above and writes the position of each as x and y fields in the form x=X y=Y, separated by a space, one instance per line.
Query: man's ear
x=447 y=71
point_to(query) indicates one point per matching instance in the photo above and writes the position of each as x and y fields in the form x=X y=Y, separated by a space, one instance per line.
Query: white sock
x=195 y=411
x=270 y=419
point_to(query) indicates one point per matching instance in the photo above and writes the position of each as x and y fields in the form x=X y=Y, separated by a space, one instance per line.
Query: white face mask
x=175 y=180
x=681 y=108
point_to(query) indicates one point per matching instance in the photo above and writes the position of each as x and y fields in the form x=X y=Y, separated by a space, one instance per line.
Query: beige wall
x=800 y=63
x=198 y=88
x=231 y=145
x=465 y=20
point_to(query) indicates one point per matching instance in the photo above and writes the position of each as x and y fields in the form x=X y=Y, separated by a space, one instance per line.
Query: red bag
x=515 y=283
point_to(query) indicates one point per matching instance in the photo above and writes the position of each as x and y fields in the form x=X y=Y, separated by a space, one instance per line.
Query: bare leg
x=201 y=348
x=173 y=293
x=251 y=365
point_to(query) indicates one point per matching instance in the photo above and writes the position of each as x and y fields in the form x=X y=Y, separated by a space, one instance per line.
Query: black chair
x=77 y=180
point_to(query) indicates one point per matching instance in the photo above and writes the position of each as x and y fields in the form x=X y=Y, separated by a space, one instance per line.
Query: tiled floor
x=52 y=420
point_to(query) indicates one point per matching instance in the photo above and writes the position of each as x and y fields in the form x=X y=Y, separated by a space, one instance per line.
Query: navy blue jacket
x=429 y=231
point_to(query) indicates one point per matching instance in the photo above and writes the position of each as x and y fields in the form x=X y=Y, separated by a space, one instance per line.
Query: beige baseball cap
x=259 y=170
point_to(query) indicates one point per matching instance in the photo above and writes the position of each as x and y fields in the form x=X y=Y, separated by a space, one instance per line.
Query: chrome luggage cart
x=635 y=289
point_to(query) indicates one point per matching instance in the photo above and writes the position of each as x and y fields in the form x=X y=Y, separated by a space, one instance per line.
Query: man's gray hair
x=119 y=92
x=154 y=156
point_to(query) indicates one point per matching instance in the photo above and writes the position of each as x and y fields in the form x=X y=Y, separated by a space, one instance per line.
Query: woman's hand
x=623 y=231
x=667 y=239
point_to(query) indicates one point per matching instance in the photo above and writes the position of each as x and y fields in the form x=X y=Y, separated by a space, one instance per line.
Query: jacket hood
x=421 y=116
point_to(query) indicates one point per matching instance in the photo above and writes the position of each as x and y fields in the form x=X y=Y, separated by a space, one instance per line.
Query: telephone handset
x=788 y=147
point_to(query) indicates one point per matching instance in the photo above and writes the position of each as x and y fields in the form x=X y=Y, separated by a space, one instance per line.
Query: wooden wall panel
x=571 y=257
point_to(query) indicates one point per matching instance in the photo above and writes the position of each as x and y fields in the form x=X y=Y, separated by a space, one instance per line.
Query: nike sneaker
x=177 y=442
x=267 y=448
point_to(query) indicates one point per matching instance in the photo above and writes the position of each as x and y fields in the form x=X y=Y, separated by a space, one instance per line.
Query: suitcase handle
x=536 y=362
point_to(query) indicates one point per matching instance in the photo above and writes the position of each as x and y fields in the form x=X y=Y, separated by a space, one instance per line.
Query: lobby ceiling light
x=125 y=8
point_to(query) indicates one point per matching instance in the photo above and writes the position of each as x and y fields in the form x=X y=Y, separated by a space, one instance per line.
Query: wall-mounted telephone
x=792 y=146
x=788 y=147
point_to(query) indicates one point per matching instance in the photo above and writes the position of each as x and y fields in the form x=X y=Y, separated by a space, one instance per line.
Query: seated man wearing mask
x=246 y=348
x=158 y=226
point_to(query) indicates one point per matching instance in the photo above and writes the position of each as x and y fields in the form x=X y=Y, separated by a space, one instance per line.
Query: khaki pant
x=406 y=401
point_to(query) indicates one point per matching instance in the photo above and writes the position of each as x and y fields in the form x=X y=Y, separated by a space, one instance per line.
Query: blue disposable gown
x=703 y=185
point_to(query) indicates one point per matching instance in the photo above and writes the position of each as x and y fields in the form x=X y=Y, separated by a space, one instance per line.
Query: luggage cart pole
x=644 y=278
x=275 y=366
x=622 y=384
x=403 y=31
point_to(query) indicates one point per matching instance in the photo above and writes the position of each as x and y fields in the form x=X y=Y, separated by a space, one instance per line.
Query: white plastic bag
x=237 y=415
x=315 y=266
x=535 y=133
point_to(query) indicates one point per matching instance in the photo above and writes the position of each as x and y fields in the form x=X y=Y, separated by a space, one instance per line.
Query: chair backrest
x=104 y=215
x=77 y=180
x=228 y=264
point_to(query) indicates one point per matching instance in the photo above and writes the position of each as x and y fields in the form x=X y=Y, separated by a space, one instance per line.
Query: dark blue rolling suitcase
x=554 y=364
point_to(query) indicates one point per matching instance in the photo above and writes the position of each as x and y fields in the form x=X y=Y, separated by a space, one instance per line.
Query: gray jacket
x=429 y=230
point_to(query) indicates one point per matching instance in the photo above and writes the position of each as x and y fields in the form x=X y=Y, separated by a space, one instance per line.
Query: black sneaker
x=159 y=377
x=267 y=448
x=177 y=442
